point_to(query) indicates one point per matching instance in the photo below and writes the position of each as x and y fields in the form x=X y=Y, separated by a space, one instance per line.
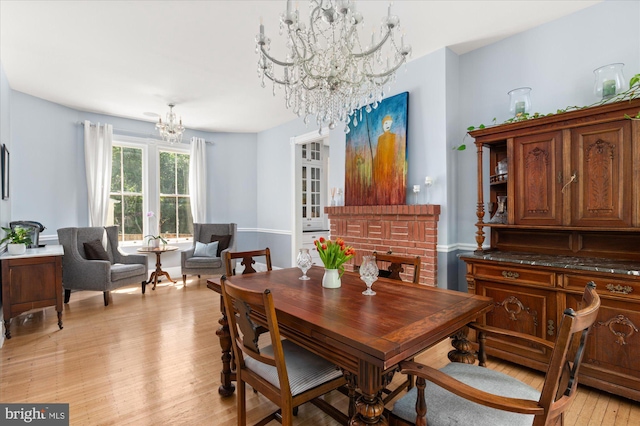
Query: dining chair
x=473 y=394
x=395 y=265
x=248 y=260
x=284 y=372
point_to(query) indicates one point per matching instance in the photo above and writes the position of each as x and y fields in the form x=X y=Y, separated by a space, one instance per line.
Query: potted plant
x=18 y=240
x=333 y=256
x=154 y=240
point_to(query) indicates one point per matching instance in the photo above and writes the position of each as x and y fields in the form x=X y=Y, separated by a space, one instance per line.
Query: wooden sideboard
x=572 y=188
x=31 y=280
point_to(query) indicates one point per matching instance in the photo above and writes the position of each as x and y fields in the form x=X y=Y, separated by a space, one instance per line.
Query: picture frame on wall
x=5 y=171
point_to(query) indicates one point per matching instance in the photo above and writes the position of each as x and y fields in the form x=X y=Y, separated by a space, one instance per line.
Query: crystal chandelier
x=327 y=72
x=171 y=130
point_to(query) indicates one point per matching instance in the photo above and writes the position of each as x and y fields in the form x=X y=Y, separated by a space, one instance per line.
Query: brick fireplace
x=402 y=230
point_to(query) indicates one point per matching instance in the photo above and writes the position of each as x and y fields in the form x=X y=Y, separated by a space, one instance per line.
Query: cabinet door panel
x=522 y=309
x=614 y=342
x=537 y=164
x=601 y=159
x=29 y=283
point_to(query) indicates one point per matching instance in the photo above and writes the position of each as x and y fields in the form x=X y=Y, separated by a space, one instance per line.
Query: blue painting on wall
x=376 y=154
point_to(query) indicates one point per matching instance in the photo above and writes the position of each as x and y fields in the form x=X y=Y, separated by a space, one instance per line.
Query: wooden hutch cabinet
x=572 y=188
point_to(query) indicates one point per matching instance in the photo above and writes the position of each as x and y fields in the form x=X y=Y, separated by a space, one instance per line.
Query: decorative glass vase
x=609 y=81
x=369 y=273
x=501 y=210
x=520 y=101
x=331 y=278
x=304 y=262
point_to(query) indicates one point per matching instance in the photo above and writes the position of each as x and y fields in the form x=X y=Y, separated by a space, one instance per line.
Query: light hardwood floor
x=155 y=360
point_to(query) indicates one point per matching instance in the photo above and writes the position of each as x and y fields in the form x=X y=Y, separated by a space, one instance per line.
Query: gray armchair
x=203 y=232
x=79 y=273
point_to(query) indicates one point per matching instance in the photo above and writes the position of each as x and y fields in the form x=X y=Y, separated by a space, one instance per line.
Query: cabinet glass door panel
x=311 y=196
x=538 y=166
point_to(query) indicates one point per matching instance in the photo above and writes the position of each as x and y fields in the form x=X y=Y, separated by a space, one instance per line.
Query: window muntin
x=175 y=216
x=126 y=196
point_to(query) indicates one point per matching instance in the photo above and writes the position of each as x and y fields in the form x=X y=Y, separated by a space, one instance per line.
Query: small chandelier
x=327 y=72
x=171 y=130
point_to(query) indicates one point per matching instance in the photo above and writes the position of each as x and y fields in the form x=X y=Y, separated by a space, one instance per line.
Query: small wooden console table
x=31 y=280
x=155 y=275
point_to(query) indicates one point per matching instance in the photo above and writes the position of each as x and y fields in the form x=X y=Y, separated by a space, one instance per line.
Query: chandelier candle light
x=171 y=130
x=327 y=72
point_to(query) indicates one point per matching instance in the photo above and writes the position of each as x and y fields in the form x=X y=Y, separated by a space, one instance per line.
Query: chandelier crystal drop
x=171 y=130
x=330 y=72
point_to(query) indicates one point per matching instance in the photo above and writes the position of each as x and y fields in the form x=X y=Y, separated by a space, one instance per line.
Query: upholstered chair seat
x=203 y=262
x=305 y=369
x=445 y=408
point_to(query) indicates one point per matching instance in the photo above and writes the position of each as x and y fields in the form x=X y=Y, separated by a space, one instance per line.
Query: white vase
x=331 y=278
x=155 y=243
x=14 y=249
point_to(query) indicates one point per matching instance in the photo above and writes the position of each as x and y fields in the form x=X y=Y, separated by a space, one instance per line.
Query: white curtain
x=198 y=180
x=97 y=159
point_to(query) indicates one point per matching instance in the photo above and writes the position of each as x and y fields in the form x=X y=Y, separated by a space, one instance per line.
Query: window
x=126 y=199
x=175 y=204
x=147 y=176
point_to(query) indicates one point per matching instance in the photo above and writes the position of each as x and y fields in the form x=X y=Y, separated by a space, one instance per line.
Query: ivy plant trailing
x=632 y=93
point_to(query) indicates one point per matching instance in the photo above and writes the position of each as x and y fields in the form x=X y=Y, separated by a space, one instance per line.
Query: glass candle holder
x=520 y=101
x=609 y=81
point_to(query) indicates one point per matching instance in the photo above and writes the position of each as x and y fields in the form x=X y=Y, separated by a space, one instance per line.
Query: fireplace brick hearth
x=402 y=230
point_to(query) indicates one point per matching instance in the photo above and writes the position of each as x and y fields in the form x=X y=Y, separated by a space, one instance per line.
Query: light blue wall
x=557 y=61
x=274 y=189
x=48 y=147
x=48 y=183
x=5 y=138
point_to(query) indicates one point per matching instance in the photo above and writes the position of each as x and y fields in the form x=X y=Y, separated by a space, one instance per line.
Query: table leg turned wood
x=369 y=406
x=226 y=376
x=155 y=275
x=463 y=351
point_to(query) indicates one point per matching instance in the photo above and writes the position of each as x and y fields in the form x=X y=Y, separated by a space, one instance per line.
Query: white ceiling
x=128 y=58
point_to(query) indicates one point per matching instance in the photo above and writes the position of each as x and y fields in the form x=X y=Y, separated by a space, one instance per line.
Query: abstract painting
x=376 y=154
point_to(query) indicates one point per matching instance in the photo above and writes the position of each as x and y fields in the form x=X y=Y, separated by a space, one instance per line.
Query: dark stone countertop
x=594 y=264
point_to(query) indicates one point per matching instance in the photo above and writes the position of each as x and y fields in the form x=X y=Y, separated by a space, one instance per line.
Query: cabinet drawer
x=605 y=286
x=309 y=237
x=507 y=273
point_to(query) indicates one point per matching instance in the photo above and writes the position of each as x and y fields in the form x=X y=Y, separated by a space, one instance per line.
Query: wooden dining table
x=366 y=336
